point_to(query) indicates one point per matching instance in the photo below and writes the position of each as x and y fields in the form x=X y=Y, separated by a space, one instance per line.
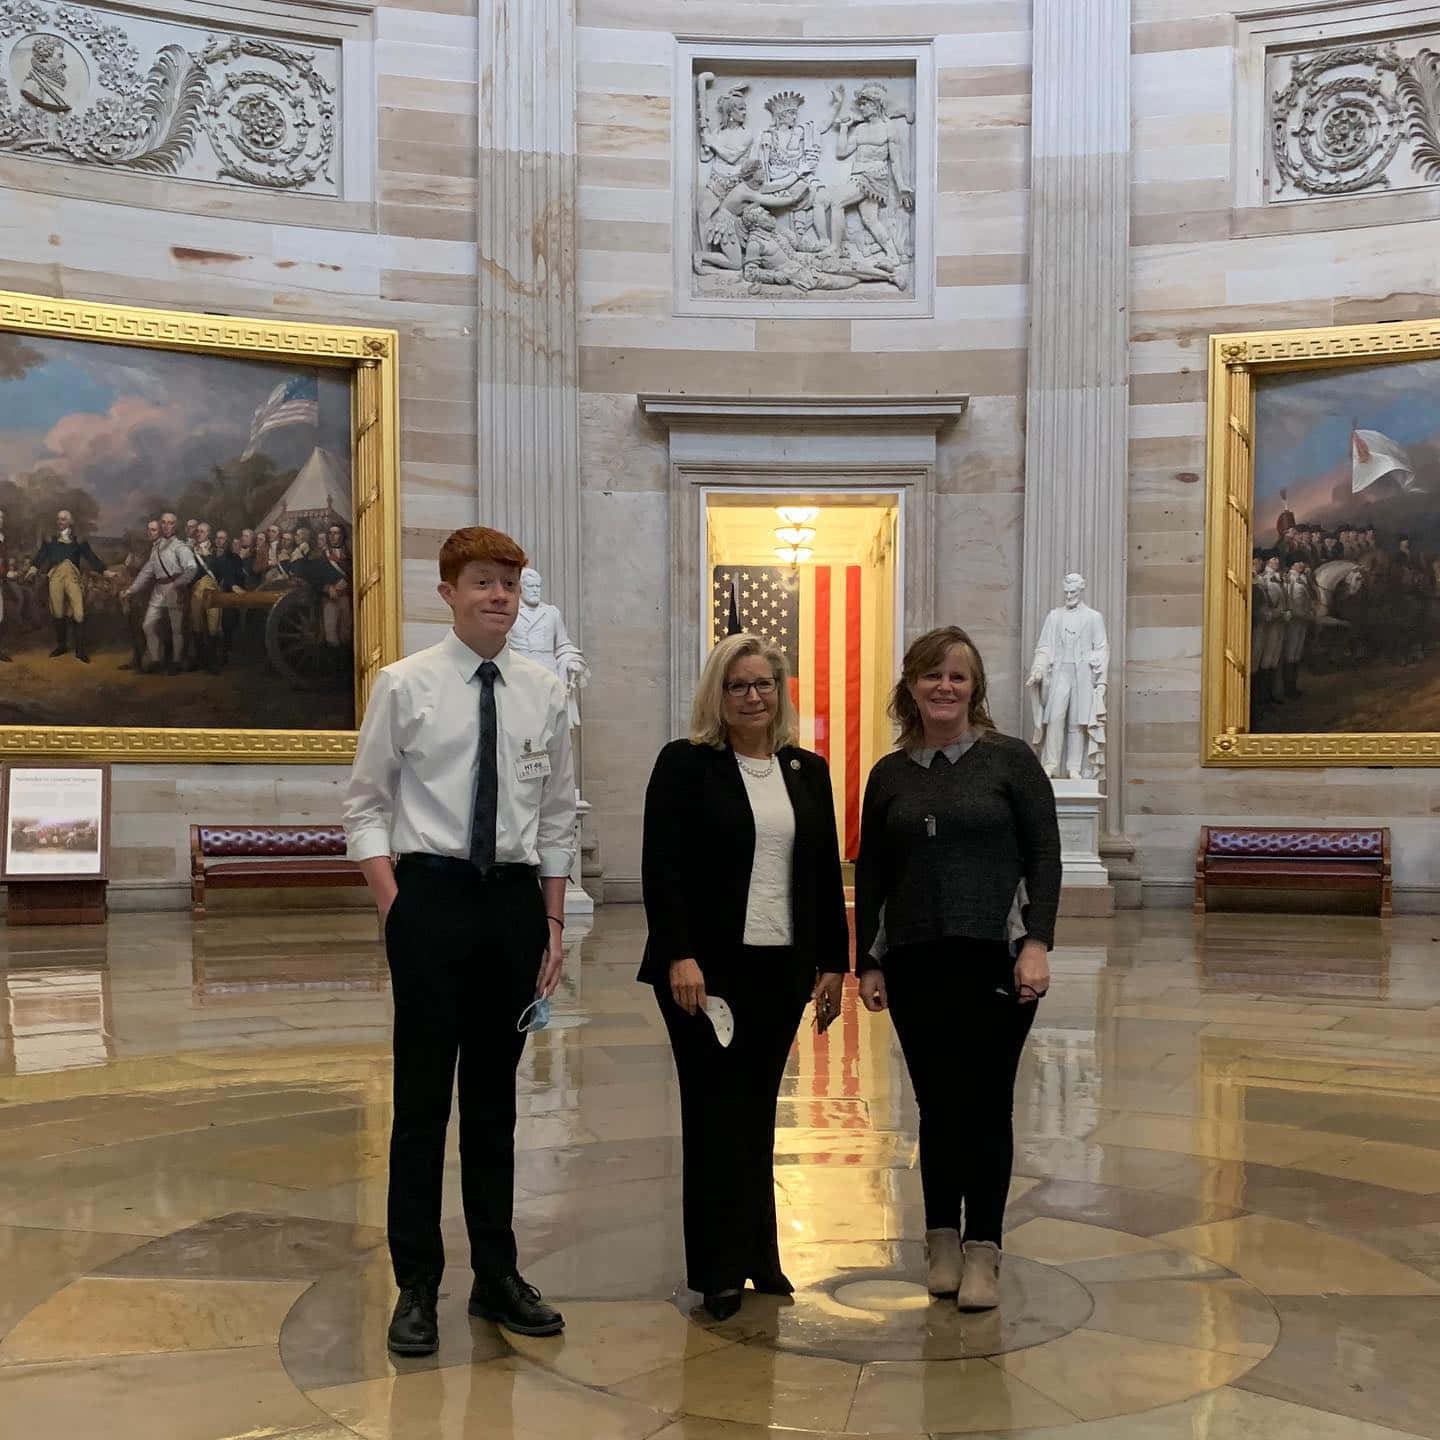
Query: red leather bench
x=234 y=856
x=1275 y=857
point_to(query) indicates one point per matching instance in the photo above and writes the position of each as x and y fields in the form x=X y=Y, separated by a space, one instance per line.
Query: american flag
x=295 y=401
x=767 y=602
x=823 y=618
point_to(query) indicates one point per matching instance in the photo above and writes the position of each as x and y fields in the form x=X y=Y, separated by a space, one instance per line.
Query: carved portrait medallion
x=50 y=73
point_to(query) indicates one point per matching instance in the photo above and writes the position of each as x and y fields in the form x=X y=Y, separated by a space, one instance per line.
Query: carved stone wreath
x=265 y=110
x=1338 y=126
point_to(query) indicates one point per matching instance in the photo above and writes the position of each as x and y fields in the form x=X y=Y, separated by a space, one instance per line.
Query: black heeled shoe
x=772 y=1282
x=723 y=1304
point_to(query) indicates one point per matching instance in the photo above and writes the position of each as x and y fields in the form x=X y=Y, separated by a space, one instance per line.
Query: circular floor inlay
x=867 y=1301
x=883 y=1296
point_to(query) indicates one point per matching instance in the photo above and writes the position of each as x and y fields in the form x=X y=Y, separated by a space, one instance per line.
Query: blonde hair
x=707 y=712
x=926 y=654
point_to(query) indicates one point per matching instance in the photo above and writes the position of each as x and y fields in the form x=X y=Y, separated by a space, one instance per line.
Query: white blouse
x=767 y=913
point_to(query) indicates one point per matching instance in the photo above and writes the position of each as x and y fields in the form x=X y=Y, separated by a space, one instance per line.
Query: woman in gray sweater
x=954 y=820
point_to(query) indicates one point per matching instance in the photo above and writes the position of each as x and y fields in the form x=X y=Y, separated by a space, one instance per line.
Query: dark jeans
x=962 y=1045
x=465 y=953
x=727 y=1115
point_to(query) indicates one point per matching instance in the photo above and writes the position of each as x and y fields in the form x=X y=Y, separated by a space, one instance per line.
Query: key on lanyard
x=930 y=826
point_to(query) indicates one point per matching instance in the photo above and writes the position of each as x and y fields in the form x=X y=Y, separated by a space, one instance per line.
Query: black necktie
x=941 y=761
x=487 y=780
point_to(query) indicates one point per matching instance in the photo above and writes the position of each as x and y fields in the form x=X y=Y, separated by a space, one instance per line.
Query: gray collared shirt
x=925 y=756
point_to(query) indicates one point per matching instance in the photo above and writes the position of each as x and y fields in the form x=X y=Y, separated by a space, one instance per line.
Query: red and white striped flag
x=295 y=401
x=836 y=643
x=824 y=618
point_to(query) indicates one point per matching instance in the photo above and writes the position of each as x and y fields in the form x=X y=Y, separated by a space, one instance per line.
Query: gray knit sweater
x=943 y=848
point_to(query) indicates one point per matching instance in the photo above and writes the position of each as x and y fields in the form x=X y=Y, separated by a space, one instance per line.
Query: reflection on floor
x=1226 y=1218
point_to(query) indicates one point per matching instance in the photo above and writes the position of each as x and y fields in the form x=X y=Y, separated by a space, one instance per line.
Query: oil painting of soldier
x=1345 y=566
x=134 y=483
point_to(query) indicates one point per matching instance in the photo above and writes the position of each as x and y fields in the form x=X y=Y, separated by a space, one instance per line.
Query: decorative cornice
x=932 y=412
x=168 y=97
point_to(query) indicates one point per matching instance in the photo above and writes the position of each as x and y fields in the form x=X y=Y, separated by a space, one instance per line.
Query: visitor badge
x=532 y=766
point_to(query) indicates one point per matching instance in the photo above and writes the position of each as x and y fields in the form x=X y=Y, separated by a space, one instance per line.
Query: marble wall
x=1200 y=263
x=405 y=257
x=404 y=254
x=630 y=341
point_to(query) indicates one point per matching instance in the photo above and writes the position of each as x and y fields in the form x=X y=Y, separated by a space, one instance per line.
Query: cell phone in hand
x=825 y=1013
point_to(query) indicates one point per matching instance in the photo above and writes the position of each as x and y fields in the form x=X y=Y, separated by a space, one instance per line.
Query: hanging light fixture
x=797 y=533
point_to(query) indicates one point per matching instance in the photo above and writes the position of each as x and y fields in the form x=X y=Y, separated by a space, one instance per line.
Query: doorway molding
x=795 y=443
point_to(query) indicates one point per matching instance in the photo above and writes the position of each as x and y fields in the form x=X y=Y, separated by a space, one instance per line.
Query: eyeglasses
x=739 y=689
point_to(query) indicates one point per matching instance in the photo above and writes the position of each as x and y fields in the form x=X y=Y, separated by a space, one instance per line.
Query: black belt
x=458 y=865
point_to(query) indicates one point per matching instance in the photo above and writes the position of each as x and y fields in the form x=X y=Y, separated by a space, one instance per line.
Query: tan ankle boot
x=942 y=1253
x=980 y=1285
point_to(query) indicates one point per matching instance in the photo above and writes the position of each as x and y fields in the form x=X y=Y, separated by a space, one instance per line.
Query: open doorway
x=817 y=572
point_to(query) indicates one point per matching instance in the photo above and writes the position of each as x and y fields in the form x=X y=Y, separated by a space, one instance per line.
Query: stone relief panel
x=803 y=182
x=91 y=86
x=1353 y=118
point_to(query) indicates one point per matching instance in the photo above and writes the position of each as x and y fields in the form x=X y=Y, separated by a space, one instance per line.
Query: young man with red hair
x=463 y=770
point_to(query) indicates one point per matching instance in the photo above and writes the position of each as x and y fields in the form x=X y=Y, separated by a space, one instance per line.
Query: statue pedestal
x=577 y=899
x=1087 y=891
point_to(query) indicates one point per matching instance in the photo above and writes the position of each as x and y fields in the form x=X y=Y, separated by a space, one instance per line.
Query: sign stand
x=55 y=843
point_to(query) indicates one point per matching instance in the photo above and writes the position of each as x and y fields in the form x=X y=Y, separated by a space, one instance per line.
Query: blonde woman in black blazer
x=744 y=900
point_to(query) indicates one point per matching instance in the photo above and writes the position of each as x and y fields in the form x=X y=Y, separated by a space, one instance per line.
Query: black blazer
x=699 y=847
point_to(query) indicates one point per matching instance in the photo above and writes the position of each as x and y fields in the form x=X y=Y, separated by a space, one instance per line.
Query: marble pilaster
x=1076 y=409
x=528 y=418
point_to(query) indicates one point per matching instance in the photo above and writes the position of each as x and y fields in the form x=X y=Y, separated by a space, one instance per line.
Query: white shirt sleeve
x=189 y=565
x=146 y=572
x=555 y=837
x=369 y=803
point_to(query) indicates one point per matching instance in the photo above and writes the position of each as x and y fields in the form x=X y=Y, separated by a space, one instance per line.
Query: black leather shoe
x=772 y=1282
x=509 y=1301
x=723 y=1304
x=414 y=1329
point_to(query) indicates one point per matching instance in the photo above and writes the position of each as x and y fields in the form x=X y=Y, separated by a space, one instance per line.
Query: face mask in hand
x=535 y=1016
x=722 y=1018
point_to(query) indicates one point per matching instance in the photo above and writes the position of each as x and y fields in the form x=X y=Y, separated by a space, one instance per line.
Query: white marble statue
x=1067 y=683
x=539 y=634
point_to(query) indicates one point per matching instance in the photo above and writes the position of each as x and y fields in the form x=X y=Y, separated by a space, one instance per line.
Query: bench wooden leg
x=197 y=897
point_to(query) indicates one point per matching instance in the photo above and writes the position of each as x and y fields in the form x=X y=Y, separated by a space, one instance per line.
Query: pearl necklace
x=764 y=774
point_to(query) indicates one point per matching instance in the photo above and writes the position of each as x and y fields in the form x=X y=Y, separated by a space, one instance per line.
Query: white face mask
x=721 y=1018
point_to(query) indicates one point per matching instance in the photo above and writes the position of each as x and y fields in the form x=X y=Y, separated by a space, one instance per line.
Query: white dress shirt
x=412 y=788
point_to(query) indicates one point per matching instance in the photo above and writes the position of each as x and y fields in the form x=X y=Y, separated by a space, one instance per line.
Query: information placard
x=57 y=822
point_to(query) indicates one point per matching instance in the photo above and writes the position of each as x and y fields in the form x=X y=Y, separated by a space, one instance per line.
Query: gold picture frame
x=1238 y=364
x=369 y=356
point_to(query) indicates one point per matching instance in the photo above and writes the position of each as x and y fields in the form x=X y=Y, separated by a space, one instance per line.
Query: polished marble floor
x=1225 y=1220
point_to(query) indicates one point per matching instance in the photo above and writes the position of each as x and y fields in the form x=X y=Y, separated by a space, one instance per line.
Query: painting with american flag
x=824 y=619
x=213 y=497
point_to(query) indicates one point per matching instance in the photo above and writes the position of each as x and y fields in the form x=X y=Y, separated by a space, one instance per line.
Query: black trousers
x=727 y=1116
x=962 y=1044
x=465 y=953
